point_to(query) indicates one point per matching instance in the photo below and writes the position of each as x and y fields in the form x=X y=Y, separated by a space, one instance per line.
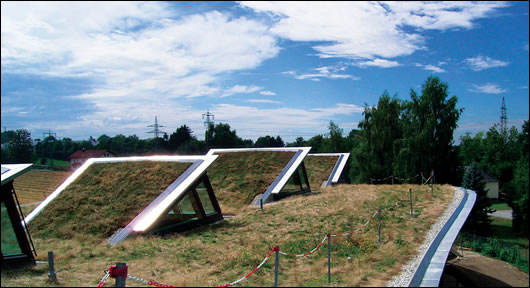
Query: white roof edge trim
x=341 y=168
x=14 y=171
x=342 y=163
x=147 y=220
x=287 y=149
x=90 y=161
x=287 y=175
x=429 y=270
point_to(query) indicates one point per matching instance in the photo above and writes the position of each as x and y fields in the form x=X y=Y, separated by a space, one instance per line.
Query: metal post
x=411 y=212
x=261 y=204
x=52 y=276
x=329 y=258
x=276 y=264
x=120 y=281
x=392 y=179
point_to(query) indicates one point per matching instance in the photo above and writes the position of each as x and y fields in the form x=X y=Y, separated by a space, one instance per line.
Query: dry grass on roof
x=104 y=198
x=319 y=169
x=237 y=177
x=226 y=251
x=35 y=186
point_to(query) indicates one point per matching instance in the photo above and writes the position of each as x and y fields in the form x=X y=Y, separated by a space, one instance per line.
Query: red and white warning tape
x=305 y=254
x=358 y=229
x=153 y=283
x=252 y=272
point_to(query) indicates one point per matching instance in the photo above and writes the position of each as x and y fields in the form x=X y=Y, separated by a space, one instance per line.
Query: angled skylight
x=152 y=192
x=338 y=167
x=288 y=171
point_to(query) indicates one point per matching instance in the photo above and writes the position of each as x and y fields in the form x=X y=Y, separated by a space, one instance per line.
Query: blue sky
x=266 y=68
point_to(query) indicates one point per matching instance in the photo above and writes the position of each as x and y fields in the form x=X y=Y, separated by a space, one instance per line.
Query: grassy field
x=503 y=231
x=319 y=169
x=500 y=206
x=226 y=251
x=238 y=177
x=53 y=162
x=35 y=186
x=104 y=198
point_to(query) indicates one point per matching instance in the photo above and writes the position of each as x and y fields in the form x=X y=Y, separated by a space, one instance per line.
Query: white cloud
x=434 y=69
x=369 y=30
x=267 y=93
x=266 y=101
x=484 y=62
x=139 y=57
x=341 y=109
x=241 y=89
x=329 y=72
x=382 y=63
x=488 y=88
x=281 y=121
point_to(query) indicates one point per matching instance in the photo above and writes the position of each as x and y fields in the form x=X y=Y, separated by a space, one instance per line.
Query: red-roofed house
x=79 y=157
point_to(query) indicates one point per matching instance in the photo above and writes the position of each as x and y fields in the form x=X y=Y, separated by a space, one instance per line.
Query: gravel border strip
x=408 y=270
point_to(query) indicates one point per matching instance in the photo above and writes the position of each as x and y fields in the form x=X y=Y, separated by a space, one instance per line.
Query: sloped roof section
x=36 y=185
x=299 y=154
x=129 y=186
x=334 y=176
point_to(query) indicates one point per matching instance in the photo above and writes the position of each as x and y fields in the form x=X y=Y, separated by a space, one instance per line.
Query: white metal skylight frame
x=337 y=169
x=143 y=220
x=13 y=171
x=287 y=172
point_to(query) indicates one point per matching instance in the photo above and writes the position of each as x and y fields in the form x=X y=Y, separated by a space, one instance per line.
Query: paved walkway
x=506 y=214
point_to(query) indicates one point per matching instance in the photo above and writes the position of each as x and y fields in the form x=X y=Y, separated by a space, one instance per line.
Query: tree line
x=395 y=137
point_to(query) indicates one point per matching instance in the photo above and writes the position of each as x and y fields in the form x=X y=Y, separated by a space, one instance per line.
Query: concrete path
x=506 y=214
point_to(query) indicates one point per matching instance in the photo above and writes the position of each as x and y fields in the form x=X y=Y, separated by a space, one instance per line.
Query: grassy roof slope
x=237 y=177
x=319 y=169
x=104 y=198
x=224 y=252
x=35 y=186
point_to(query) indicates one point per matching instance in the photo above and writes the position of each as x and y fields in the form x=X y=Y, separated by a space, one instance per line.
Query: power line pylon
x=208 y=121
x=156 y=131
x=49 y=134
x=504 y=118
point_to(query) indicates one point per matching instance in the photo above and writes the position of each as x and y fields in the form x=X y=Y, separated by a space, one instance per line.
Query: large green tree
x=501 y=152
x=373 y=152
x=517 y=189
x=429 y=121
x=182 y=135
x=20 y=148
x=269 y=141
x=220 y=136
x=471 y=148
x=335 y=143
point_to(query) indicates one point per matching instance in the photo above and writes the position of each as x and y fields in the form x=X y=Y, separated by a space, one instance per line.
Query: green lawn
x=500 y=206
x=503 y=231
x=53 y=162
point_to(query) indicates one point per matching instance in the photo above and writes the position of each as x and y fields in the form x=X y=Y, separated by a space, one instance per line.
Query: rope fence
x=423 y=179
x=120 y=272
